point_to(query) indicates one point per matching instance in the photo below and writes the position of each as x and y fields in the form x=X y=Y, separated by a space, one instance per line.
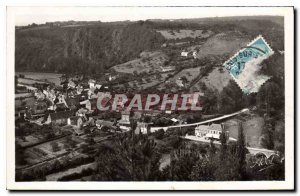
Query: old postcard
x=150 y=98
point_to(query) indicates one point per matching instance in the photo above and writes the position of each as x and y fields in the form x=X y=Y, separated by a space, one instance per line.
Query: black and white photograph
x=150 y=98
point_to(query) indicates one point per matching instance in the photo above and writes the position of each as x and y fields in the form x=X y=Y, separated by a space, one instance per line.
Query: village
x=63 y=121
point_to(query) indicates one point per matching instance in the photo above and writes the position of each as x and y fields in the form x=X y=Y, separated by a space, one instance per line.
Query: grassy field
x=44 y=151
x=189 y=73
x=48 y=77
x=149 y=61
x=217 y=79
x=221 y=44
x=56 y=176
x=147 y=82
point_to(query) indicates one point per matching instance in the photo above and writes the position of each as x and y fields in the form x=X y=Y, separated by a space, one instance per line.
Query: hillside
x=95 y=47
x=82 y=49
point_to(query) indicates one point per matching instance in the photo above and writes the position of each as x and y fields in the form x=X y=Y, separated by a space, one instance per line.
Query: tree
x=20 y=155
x=231 y=98
x=241 y=152
x=159 y=134
x=227 y=161
x=270 y=98
x=128 y=158
x=69 y=144
x=267 y=138
x=223 y=150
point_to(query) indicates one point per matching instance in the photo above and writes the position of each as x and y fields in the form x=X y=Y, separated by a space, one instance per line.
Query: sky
x=40 y=15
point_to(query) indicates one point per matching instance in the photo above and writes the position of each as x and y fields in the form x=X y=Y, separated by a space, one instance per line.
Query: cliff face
x=87 y=49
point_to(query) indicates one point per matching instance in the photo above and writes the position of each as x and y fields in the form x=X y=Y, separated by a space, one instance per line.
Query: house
x=72 y=102
x=20 y=112
x=60 y=107
x=212 y=131
x=84 y=95
x=79 y=89
x=194 y=54
x=92 y=83
x=82 y=112
x=71 y=84
x=124 y=123
x=137 y=116
x=59 y=118
x=185 y=54
x=40 y=95
x=39 y=107
x=168 y=111
x=111 y=78
x=174 y=120
x=76 y=121
x=167 y=68
x=142 y=128
x=98 y=85
x=179 y=82
x=50 y=94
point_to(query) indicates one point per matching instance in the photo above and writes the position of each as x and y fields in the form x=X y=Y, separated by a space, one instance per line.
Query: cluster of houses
x=76 y=106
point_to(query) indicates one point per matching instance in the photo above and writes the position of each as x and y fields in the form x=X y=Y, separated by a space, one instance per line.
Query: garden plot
x=190 y=74
x=56 y=176
x=45 y=151
x=148 y=62
x=147 y=82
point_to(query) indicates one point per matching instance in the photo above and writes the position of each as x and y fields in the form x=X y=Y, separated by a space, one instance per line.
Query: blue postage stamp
x=244 y=66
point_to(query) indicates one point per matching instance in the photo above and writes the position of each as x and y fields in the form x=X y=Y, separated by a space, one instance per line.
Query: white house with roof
x=212 y=131
x=92 y=83
x=124 y=123
x=142 y=128
x=184 y=53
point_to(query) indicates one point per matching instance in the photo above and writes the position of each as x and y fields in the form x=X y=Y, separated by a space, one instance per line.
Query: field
x=148 y=61
x=56 y=176
x=44 y=151
x=217 y=79
x=222 y=44
x=184 y=33
x=28 y=101
x=147 y=82
x=38 y=77
x=190 y=74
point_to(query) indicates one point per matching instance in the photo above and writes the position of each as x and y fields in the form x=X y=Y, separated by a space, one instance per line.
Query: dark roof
x=74 y=119
x=61 y=115
x=72 y=101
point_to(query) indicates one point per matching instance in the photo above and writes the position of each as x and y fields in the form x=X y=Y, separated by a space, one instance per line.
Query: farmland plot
x=146 y=63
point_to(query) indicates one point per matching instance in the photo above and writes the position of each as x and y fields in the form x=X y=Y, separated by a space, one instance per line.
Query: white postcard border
x=288 y=14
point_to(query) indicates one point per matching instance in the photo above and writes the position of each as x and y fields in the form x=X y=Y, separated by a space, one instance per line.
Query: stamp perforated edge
x=237 y=53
